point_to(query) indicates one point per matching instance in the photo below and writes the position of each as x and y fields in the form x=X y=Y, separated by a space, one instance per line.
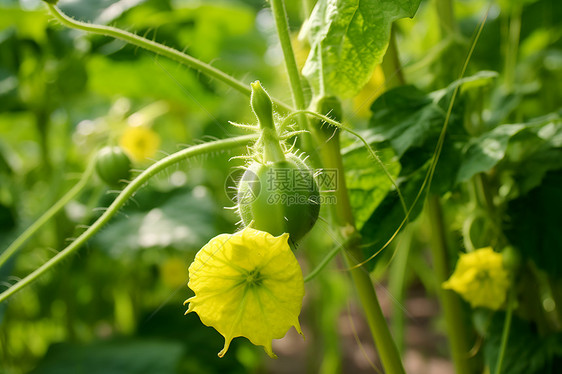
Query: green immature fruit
x=279 y=197
x=113 y=165
x=511 y=258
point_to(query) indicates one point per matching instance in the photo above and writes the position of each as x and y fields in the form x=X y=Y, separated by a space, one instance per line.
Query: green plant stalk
x=446 y=15
x=505 y=337
x=391 y=67
x=512 y=48
x=297 y=92
x=31 y=230
x=343 y=216
x=449 y=301
x=122 y=198
x=307 y=7
x=397 y=286
x=280 y=16
x=159 y=49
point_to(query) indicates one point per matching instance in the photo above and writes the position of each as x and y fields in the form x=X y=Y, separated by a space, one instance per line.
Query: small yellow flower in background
x=480 y=278
x=140 y=142
x=173 y=272
x=247 y=284
x=369 y=93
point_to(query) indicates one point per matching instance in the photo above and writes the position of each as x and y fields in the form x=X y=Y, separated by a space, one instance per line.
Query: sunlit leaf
x=348 y=39
x=366 y=181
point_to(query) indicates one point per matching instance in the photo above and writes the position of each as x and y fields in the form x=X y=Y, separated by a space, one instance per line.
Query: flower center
x=254 y=278
x=483 y=276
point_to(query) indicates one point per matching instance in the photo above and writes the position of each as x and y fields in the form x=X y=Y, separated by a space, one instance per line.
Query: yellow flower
x=480 y=278
x=173 y=272
x=368 y=94
x=140 y=142
x=247 y=284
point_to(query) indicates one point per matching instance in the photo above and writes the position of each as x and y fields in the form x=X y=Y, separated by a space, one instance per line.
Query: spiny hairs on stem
x=157 y=48
x=123 y=197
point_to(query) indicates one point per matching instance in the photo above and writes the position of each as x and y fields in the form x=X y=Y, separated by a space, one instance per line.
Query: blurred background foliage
x=117 y=306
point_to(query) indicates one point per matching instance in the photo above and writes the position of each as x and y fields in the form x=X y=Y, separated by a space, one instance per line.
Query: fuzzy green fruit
x=279 y=197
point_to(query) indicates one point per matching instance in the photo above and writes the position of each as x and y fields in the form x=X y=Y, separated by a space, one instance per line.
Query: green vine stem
x=282 y=25
x=159 y=49
x=31 y=230
x=512 y=47
x=397 y=286
x=136 y=184
x=505 y=336
x=343 y=216
x=280 y=16
x=449 y=301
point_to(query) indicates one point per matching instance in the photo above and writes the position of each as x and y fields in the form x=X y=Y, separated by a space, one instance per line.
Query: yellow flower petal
x=140 y=142
x=247 y=284
x=480 y=278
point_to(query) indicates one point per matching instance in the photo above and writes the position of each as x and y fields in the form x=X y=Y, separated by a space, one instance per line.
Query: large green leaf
x=408 y=118
x=535 y=222
x=177 y=219
x=366 y=181
x=113 y=357
x=348 y=39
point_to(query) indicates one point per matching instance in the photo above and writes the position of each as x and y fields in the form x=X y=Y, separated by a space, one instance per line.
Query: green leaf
x=534 y=151
x=112 y=357
x=177 y=219
x=388 y=215
x=409 y=118
x=526 y=351
x=406 y=117
x=348 y=39
x=535 y=222
x=366 y=181
x=485 y=151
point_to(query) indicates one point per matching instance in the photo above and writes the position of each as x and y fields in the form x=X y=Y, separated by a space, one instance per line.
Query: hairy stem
x=31 y=230
x=122 y=198
x=159 y=49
